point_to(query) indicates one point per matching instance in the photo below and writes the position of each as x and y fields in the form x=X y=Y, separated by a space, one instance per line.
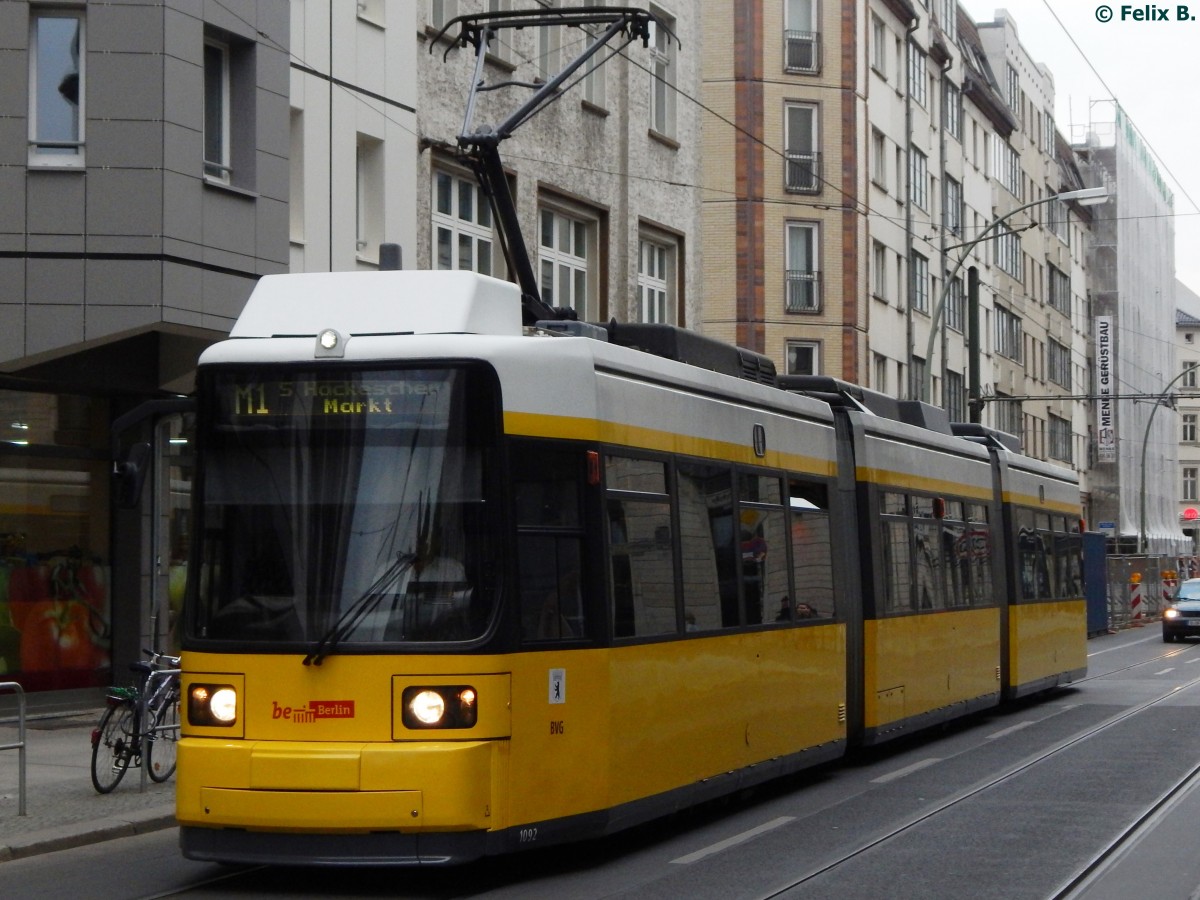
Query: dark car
x=1182 y=618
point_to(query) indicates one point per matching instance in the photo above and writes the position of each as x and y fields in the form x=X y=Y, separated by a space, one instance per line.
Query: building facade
x=1187 y=357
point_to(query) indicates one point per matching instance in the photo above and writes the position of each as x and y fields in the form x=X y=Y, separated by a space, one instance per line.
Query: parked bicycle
x=118 y=741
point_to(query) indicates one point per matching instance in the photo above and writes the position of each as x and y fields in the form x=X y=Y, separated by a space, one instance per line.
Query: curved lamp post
x=1085 y=197
x=1158 y=401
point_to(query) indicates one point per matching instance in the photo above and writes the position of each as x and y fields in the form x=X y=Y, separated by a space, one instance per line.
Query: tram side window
x=641 y=547
x=978 y=549
x=1033 y=572
x=954 y=555
x=763 y=537
x=547 y=489
x=708 y=553
x=1068 y=564
x=897 y=552
x=927 y=557
x=812 y=550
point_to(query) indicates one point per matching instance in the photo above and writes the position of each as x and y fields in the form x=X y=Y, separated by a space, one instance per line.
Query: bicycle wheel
x=163 y=739
x=113 y=747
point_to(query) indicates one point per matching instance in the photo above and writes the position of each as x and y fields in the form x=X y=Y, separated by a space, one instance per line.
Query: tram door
x=174 y=440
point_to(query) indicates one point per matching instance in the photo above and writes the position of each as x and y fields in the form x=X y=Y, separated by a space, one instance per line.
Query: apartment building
x=1187 y=356
x=143 y=178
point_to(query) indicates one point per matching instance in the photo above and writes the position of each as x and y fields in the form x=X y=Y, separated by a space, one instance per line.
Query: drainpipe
x=913 y=389
x=942 y=231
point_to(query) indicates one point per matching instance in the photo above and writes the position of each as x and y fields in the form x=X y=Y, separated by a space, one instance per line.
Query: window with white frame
x=920 y=276
x=1048 y=134
x=948 y=18
x=1058 y=363
x=1006 y=166
x=369 y=180
x=216 y=110
x=462 y=225
x=803 y=358
x=549 y=46
x=1059 y=290
x=656 y=280
x=662 y=70
x=1007 y=413
x=801 y=43
x=952 y=200
x=1191 y=475
x=57 y=57
x=441 y=12
x=879 y=43
x=1058 y=220
x=1007 y=252
x=501 y=47
x=879 y=158
x=566 y=255
x=955 y=311
x=1189 y=380
x=801 y=158
x=879 y=274
x=1189 y=428
x=955 y=397
x=918 y=79
x=1060 y=438
x=802 y=277
x=952 y=110
x=879 y=374
x=1009 y=334
x=594 y=84
x=918 y=173
x=1013 y=84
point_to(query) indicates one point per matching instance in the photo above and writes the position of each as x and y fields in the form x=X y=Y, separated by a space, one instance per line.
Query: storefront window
x=55 y=612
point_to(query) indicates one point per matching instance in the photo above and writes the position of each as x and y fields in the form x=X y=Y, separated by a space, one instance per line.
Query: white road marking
x=907 y=770
x=1165 y=671
x=1005 y=732
x=735 y=840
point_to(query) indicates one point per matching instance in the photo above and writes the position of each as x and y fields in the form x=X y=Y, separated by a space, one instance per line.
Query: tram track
x=1095 y=865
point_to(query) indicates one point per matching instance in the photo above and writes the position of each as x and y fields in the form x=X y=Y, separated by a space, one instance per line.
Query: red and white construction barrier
x=1135 y=601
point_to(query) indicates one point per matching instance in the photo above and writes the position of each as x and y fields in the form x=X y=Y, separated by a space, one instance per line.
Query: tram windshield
x=342 y=510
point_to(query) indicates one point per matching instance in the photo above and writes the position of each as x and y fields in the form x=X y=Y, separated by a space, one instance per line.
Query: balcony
x=802 y=52
x=802 y=172
x=803 y=291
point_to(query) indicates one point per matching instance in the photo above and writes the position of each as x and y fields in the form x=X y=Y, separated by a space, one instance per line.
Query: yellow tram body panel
x=1047 y=644
x=926 y=667
x=560 y=733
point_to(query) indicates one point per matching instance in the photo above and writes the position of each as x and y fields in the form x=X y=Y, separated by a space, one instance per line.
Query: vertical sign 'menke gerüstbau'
x=1106 y=426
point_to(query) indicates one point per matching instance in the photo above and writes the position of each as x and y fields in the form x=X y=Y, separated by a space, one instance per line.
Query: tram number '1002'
x=556 y=727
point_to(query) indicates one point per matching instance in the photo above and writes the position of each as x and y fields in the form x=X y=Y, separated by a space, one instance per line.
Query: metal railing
x=19 y=746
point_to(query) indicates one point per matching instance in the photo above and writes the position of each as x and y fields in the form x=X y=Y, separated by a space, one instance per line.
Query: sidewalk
x=62 y=808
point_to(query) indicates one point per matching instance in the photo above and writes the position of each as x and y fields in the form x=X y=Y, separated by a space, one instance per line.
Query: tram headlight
x=212 y=704
x=441 y=706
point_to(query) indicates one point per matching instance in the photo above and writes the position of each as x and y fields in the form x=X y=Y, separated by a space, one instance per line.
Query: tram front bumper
x=336 y=788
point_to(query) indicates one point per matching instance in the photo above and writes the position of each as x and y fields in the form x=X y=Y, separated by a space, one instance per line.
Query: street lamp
x=1084 y=197
x=1158 y=401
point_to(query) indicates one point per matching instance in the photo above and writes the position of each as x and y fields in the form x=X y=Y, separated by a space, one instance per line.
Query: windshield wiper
x=358 y=610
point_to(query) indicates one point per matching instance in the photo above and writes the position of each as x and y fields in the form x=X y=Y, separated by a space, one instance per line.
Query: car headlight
x=212 y=704
x=1171 y=613
x=446 y=706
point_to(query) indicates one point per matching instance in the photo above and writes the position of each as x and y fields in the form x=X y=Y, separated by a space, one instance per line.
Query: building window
x=801 y=43
x=56 y=87
x=952 y=215
x=1189 y=380
x=566 y=253
x=1006 y=166
x=1008 y=414
x=879 y=159
x=594 y=85
x=1058 y=359
x=918 y=173
x=216 y=110
x=917 y=78
x=952 y=110
x=296 y=176
x=1048 y=133
x=803 y=278
x=801 y=157
x=662 y=70
x=1009 y=336
x=1060 y=438
x=920 y=277
x=879 y=42
x=1060 y=290
x=656 y=277
x=879 y=377
x=441 y=12
x=1189 y=483
x=1008 y=253
x=369 y=181
x=549 y=46
x=803 y=358
x=1189 y=428
x=462 y=225
x=955 y=310
x=948 y=18
x=230 y=142
x=879 y=271
x=1014 y=90
x=955 y=398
